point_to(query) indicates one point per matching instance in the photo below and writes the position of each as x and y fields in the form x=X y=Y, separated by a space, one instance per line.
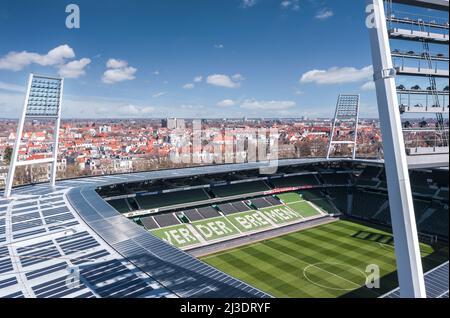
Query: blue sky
x=189 y=58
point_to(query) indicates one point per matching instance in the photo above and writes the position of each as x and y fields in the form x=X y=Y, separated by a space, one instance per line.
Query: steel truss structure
x=346 y=116
x=43 y=100
x=409 y=265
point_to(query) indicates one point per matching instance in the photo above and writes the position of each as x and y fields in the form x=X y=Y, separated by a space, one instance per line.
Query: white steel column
x=409 y=263
x=56 y=139
x=15 y=152
x=333 y=128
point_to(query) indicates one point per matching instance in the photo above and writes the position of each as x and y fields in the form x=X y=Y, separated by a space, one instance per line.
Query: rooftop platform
x=414 y=35
x=418 y=71
x=429 y=4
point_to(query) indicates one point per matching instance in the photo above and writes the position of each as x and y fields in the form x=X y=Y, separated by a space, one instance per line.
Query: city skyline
x=208 y=64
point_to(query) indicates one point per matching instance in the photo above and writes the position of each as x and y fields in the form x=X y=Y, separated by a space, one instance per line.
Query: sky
x=189 y=58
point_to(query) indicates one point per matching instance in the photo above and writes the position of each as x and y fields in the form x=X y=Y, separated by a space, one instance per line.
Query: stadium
x=334 y=226
x=220 y=231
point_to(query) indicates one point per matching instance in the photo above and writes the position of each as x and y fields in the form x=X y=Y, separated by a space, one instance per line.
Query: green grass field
x=326 y=261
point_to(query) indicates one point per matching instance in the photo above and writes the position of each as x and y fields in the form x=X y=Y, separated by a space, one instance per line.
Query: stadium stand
x=172 y=198
x=369 y=176
x=437 y=222
x=340 y=197
x=120 y=205
x=208 y=212
x=318 y=198
x=149 y=223
x=227 y=208
x=233 y=207
x=167 y=219
x=294 y=181
x=336 y=178
x=368 y=205
x=193 y=215
x=422 y=182
x=240 y=188
x=264 y=202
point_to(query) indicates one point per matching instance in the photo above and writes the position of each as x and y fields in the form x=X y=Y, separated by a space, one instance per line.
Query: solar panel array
x=46 y=242
x=436 y=283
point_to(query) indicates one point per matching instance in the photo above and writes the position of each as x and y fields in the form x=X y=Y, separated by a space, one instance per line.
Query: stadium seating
x=318 y=198
x=167 y=219
x=294 y=181
x=149 y=223
x=366 y=204
x=369 y=176
x=240 y=188
x=169 y=199
x=421 y=182
x=120 y=205
x=336 y=178
x=340 y=198
x=208 y=212
x=193 y=215
x=261 y=203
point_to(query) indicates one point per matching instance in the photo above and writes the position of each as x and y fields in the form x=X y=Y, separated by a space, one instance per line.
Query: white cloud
x=253 y=104
x=16 y=61
x=290 y=4
x=198 y=79
x=336 y=75
x=148 y=110
x=74 y=69
x=237 y=77
x=128 y=110
x=131 y=110
x=113 y=63
x=156 y=72
x=324 y=14
x=159 y=94
x=218 y=46
x=226 y=103
x=248 y=3
x=225 y=80
x=118 y=71
x=188 y=86
x=369 y=86
x=12 y=87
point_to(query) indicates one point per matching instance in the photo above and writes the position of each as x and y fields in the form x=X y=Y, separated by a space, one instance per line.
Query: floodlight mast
x=407 y=249
x=45 y=109
x=347 y=109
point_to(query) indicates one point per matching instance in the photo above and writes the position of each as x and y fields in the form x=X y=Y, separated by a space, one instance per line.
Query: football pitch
x=327 y=261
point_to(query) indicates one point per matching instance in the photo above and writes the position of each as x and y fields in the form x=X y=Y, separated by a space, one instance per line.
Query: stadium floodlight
x=346 y=116
x=42 y=101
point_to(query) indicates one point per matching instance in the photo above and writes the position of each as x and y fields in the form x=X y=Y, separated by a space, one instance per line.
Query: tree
x=7 y=155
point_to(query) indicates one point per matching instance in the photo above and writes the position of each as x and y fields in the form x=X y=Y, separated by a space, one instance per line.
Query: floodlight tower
x=382 y=28
x=43 y=100
x=346 y=114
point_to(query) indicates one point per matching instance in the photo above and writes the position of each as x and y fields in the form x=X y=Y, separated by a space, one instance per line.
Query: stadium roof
x=436 y=283
x=50 y=235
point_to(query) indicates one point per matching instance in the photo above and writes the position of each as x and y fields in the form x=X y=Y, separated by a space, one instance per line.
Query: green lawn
x=326 y=261
x=304 y=208
x=289 y=197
